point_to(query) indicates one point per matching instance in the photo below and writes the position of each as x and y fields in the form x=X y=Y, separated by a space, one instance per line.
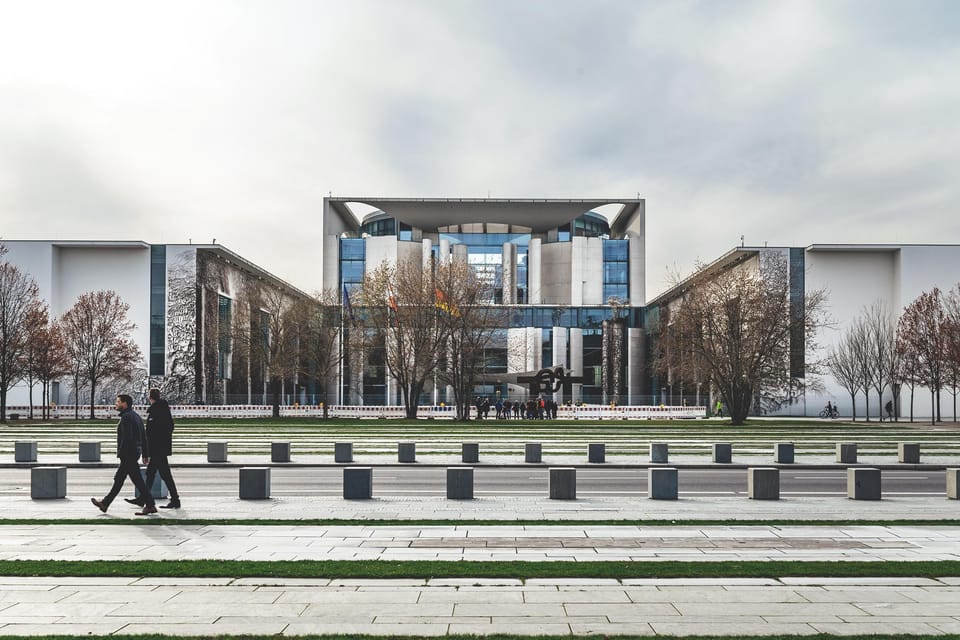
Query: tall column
x=427 y=251
x=444 y=252
x=559 y=355
x=460 y=253
x=534 y=289
x=576 y=359
x=508 y=262
x=635 y=366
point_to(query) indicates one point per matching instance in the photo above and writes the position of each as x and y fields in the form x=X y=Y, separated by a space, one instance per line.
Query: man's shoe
x=146 y=511
x=135 y=501
x=173 y=504
x=99 y=505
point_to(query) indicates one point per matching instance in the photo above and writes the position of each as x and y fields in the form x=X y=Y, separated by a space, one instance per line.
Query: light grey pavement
x=208 y=607
x=637 y=508
x=480 y=543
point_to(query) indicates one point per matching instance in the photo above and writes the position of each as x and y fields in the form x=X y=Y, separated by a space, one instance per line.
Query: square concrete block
x=659 y=452
x=279 y=452
x=89 y=452
x=863 y=483
x=763 y=483
x=459 y=483
x=406 y=452
x=532 y=452
x=216 y=452
x=783 y=453
x=357 y=483
x=159 y=488
x=662 y=483
x=343 y=452
x=953 y=484
x=254 y=483
x=48 y=483
x=563 y=483
x=470 y=452
x=723 y=452
x=597 y=452
x=908 y=452
x=25 y=451
x=847 y=452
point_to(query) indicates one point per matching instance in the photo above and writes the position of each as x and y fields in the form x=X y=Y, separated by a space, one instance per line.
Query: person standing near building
x=131 y=444
x=160 y=438
x=719 y=409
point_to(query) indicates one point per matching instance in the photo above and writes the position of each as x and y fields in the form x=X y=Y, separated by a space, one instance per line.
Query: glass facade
x=353 y=256
x=381 y=227
x=485 y=254
x=797 y=311
x=616 y=269
x=224 y=329
x=158 y=307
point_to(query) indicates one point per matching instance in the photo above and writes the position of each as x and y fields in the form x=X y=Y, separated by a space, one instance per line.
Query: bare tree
x=400 y=307
x=19 y=298
x=321 y=332
x=36 y=324
x=921 y=336
x=50 y=359
x=843 y=363
x=951 y=328
x=97 y=333
x=740 y=326
x=462 y=300
x=876 y=331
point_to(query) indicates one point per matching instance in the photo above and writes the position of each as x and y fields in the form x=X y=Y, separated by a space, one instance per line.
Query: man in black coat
x=131 y=444
x=160 y=437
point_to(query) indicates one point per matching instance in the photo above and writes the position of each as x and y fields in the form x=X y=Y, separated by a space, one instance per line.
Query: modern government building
x=569 y=273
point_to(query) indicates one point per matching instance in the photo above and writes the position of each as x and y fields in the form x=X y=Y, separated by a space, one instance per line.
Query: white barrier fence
x=582 y=412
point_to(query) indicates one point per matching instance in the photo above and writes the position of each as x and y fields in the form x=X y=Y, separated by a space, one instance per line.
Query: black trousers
x=160 y=464
x=129 y=468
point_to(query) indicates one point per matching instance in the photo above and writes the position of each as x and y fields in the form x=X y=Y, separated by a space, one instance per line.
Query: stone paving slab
x=427 y=607
x=294 y=508
x=478 y=543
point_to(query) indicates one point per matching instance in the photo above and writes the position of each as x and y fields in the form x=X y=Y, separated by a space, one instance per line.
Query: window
x=616 y=270
x=224 y=331
x=158 y=306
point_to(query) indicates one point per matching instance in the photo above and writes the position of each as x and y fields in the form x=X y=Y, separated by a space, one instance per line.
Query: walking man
x=131 y=444
x=160 y=439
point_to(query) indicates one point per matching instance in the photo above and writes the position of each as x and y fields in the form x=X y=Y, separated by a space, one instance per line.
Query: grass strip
x=463 y=523
x=433 y=569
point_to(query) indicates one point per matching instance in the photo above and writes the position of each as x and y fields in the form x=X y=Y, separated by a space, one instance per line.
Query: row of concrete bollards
x=763 y=483
x=783 y=452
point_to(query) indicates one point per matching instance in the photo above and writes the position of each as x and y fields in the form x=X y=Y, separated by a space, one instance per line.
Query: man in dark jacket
x=131 y=444
x=160 y=438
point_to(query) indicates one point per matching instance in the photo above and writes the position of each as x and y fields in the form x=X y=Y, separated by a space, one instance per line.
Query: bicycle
x=831 y=413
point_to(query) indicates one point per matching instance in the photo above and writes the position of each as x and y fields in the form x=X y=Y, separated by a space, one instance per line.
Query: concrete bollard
x=357 y=483
x=25 y=451
x=597 y=452
x=470 y=452
x=459 y=483
x=659 y=452
x=159 y=488
x=763 y=483
x=723 y=453
x=783 y=453
x=279 y=452
x=847 y=452
x=216 y=452
x=532 y=452
x=563 y=483
x=863 y=483
x=953 y=484
x=254 y=483
x=908 y=453
x=48 y=483
x=89 y=452
x=662 y=483
x=343 y=452
x=406 y=452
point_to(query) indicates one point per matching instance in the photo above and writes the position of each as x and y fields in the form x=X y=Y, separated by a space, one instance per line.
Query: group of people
x=534 y=409
x=153 y=444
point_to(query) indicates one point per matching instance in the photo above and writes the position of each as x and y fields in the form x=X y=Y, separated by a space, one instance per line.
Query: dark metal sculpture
x=551 y=380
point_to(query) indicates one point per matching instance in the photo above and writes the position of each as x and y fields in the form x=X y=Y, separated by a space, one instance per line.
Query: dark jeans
x=160 y=464
x=129 y=468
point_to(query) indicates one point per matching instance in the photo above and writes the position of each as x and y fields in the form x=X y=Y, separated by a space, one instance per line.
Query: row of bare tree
x=880 y=352
x=91 y=342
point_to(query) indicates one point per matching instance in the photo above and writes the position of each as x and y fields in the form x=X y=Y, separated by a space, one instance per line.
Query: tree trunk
x=30 y=396
x=866 y=405
x=853 y=403
x=911 y=404
x=3 y=404
x=275 y=396
x=93 y=388
x=76 y=396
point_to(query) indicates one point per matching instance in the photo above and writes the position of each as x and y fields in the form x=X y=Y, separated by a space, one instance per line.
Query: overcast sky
x=787 y=122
